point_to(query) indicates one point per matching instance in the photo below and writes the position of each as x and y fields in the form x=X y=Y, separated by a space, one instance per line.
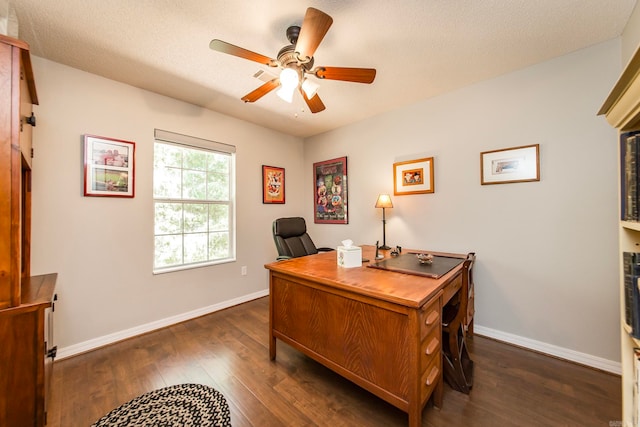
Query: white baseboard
x=552 y=350
x=142 y=329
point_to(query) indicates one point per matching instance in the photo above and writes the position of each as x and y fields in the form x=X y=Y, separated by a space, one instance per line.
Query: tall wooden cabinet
x=26 y=302
x=622 y=111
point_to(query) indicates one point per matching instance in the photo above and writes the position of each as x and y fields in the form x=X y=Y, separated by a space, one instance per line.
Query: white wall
x=102 y=248
x=547 y=270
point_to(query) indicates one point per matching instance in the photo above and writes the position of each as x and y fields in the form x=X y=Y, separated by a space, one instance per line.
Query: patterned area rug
x=174 y=406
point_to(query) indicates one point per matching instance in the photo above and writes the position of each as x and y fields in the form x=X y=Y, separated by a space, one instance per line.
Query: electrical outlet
x=243 y=270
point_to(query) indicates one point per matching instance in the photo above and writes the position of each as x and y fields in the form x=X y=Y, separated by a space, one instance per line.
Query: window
x=193 y=194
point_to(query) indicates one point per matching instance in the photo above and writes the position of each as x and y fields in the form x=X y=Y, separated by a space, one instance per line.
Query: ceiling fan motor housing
x=292 y=34
x=287 y=57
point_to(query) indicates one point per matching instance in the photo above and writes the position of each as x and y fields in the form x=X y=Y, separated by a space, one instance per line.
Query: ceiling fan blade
x=314 y=27
x=357 y=75
x=230 y=49
x=262 y=90
x=315 y=103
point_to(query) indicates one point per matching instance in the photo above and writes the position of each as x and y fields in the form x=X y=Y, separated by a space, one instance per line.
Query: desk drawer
x=430 y=378
x=451 y=288
x=430 y=348
x=429 y=316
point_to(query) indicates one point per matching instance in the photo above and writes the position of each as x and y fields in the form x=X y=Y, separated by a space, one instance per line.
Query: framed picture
x=517 y=164
x=109 y=169
x=272 y=184
x=413 y=177
x=330 y=190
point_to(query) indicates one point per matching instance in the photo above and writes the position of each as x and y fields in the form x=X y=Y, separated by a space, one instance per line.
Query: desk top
x=395 y=287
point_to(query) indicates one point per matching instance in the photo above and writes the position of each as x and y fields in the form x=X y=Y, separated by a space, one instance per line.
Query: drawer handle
x=432 y=318
x=433 y=346
x=433 y=375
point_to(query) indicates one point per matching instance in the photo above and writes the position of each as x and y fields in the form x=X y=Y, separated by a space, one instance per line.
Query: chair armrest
x=283 y=257
x=325 y=249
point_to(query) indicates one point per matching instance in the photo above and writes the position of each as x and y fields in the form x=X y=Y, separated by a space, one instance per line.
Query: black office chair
x=292 y=240
x=458 y=366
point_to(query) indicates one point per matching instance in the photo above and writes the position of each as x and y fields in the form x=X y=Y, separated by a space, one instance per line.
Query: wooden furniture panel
x=24 y=387
x=377 y=328
x=25 y=302
x=22 y=399
x=17 y=93
x=9 y=284
x=315 y=320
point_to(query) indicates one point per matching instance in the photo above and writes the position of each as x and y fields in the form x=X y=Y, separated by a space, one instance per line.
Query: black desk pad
x=409 y=264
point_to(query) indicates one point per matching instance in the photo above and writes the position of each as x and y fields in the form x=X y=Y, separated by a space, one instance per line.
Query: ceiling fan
x=296 y=62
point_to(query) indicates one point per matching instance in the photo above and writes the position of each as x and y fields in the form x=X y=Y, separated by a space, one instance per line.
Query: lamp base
x=385 y=247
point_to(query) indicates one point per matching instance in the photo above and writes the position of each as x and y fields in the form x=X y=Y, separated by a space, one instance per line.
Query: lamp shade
x=310 y=88
x=384 y=201
x=286 y=93
x=289 y=78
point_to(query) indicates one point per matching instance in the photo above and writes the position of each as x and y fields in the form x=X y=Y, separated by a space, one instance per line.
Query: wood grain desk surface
x=398 y=288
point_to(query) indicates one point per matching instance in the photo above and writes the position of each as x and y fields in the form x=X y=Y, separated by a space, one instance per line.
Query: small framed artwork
x=330 y=191
x=272 y=184
x=517 y=164
x=109 y=167
x=413 y=177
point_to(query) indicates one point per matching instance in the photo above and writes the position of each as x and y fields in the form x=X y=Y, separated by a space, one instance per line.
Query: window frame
x=189 y=142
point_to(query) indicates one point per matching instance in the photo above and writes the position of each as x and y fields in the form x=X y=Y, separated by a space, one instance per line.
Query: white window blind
x=194 y=202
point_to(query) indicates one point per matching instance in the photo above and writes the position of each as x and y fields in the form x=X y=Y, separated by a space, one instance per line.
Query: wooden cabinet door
x=19 y=362
x=17 y=96
x=9 y=280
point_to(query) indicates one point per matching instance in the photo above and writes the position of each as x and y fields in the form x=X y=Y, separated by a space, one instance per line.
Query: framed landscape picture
x=330 y=190
x=517 y=164
x=109 y=167
x=272 y=184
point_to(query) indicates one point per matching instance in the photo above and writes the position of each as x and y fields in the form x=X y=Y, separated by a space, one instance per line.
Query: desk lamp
x=384 y=201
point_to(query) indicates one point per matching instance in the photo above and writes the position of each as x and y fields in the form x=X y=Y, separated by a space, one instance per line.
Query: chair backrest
x=455 y=311
x=291 y=238
x=470 y=294
x=467 y=274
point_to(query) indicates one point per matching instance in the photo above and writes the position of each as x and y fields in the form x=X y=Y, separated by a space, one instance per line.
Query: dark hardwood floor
x=228 y=350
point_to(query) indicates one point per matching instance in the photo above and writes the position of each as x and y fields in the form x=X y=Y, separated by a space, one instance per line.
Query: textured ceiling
x=420 y=48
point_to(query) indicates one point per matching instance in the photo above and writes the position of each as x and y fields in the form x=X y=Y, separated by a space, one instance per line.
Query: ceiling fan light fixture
x=289 y=78
x=310 y=88
x=286 y=93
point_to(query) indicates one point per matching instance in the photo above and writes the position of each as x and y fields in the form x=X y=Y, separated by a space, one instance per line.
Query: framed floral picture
x=272 y=185
x=413 y=177
x=330 y=191
x=109 y=167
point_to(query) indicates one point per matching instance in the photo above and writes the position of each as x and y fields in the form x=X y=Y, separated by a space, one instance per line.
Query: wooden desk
x=379 y=329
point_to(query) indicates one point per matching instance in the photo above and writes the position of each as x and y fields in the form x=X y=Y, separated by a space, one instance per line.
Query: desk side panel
x=369 y=344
